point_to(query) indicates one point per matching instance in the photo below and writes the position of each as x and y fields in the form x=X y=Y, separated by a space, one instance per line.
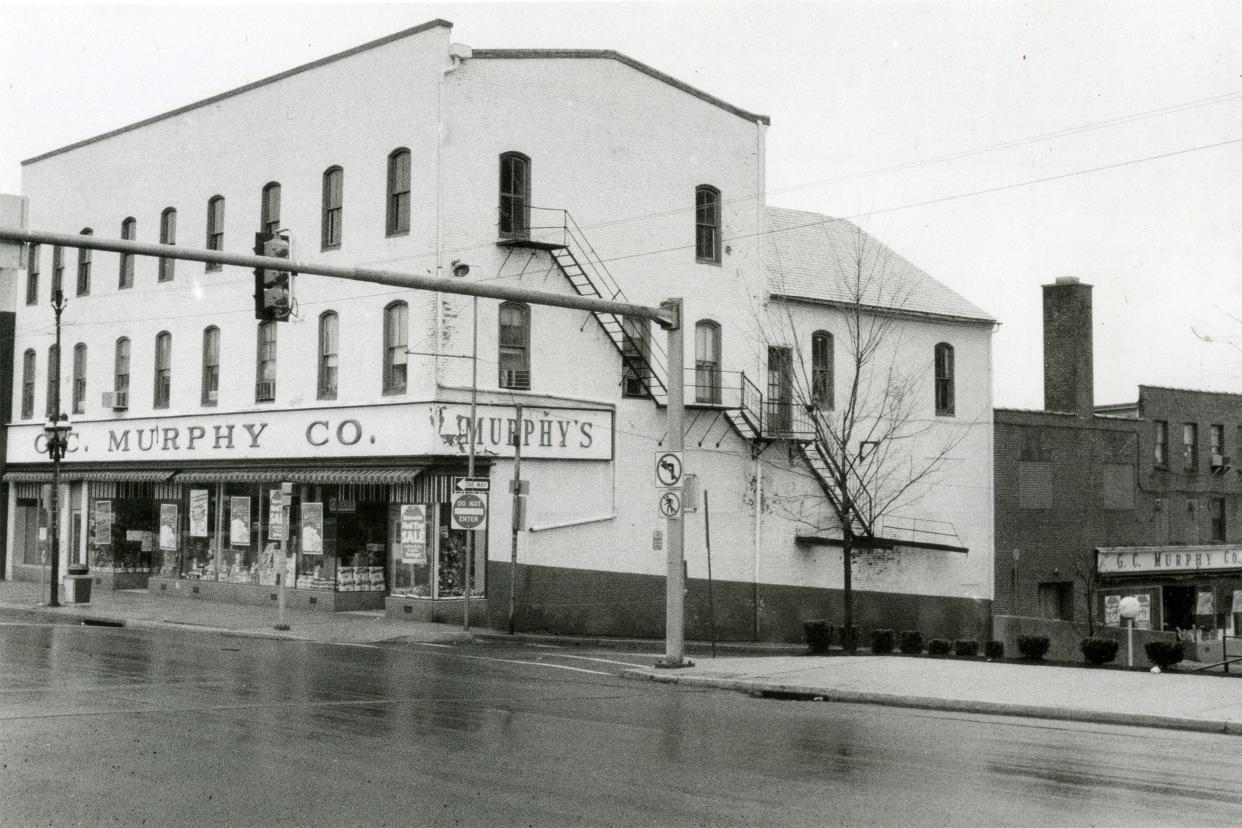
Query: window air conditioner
x=265 y=391
x=517 y=380
x=1220 y=463
x=116 y=400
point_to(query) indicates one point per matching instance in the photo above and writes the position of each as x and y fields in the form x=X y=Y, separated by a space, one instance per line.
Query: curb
x=752 y=687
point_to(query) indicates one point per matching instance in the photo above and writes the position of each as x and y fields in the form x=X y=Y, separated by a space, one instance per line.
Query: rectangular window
x=399 y=192
x=271 y=208
x=779 y=402
x=28 y=384
x=1217 y=508
x=58 y=270
x=514 y=354
x=328 y=355
x=944 y=380
x=333 y=213
x=120 y=379
x=168 y=235
x=514 y=195
x=84 y=268
x=1216 y=436
x=265 y=381
x=32 y=275
x=53 y=389
x=211 y=366
x=79 y=379
x=1190 y=446
x=215 y=228
x=128 y=231
x=396 y=332
x=707 y=224
x=1162 y=444
x=163 y=370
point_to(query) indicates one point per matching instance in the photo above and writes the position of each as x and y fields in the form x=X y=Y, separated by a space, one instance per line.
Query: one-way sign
x=473 y=484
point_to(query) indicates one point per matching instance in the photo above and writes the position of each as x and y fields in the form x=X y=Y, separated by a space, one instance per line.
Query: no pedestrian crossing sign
x=469 y=510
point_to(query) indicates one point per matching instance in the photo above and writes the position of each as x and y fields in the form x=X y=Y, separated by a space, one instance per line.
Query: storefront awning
x=341 y=476
x=94 y=476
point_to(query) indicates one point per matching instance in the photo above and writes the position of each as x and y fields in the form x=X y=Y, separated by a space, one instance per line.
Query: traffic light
x=271 y=287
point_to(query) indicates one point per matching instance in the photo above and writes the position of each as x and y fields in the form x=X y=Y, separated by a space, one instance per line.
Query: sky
x=996 y=145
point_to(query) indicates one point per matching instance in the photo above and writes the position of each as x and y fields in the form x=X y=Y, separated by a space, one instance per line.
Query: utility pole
x=517 y=508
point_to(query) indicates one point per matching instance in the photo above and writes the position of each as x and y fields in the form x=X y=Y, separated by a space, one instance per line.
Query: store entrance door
x=1179 y=607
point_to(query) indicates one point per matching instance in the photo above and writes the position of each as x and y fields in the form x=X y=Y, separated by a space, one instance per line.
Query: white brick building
x=558 y=170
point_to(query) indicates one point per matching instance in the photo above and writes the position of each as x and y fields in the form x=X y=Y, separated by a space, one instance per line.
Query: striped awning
x=69 y=475
x=344 y=476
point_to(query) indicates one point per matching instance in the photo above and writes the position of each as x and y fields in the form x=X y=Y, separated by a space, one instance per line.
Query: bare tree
x=874 y=451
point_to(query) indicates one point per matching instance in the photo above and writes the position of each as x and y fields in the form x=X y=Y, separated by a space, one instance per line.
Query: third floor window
x=215 y=227
x=129 y=231
x=211 y=365
x=84 y=266
x=707 y=224
x=168 y=235
x=270 y=208
x=398 y=221
x=333 y=207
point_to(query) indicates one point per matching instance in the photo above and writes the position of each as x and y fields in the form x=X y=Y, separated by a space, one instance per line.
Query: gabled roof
x=818 y=258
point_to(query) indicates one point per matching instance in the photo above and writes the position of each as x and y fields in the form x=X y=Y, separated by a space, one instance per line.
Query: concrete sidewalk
x=1206 y=703
x=135 y=608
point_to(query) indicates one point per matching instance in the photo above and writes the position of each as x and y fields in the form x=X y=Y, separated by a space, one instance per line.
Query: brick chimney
x=1068 y=372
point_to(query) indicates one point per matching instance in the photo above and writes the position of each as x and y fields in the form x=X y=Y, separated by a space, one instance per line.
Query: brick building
x=417 y=154
x=1095 y=502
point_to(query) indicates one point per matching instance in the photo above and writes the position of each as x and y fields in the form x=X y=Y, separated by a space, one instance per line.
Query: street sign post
x=668 y=469
x=469 y=510
x=473 y=484
x=670 y=504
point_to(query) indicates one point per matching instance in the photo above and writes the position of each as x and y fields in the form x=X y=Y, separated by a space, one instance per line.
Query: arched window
x=398 y=192
x=944 y=380
x=168 y=235
x=514 y=195
x=211 y=365
x=215 y=227
x=58 y=270
x=269 y=208
x=821 y=370
x=265 y=363
x=333 y=207
x=32 y=275
x=163 y=370
x=707 y=362
x=28 y=383
x=120 y=374
x=329 y=348
x=129 y=231
x=707 y=224
x=396 y=342
x=84 y=265
x=514 y=355
x=79 y=378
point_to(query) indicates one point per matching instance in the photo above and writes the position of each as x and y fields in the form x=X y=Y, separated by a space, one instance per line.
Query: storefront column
x=10 y=540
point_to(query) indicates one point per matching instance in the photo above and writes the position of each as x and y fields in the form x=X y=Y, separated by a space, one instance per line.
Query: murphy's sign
x=1154 y=560
x=407 y=429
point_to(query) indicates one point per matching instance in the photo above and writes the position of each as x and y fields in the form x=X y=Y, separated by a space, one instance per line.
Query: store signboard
x=239 y=521
x=1154 y=560
x=397 y=430
x=413 y=534
x=198 y=513
x=312 y=528
x=103 y=522
x=168 y=527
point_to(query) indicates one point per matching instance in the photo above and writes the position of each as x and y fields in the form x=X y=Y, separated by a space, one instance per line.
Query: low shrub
x=966 y=647
x=1033 y=646
x=818 y=636
x=939 y=646
x=882 y=641
x=1164 y=654
x=994 y=650
x=911 y=641
x=1098 y=650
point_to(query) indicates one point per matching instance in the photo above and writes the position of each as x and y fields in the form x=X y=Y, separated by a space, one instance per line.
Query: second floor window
x=333 y=207
x=1161 y=443
x=396 y=333
x=215 y=228
x=163 y=370
x=821 y=370
x=707 y=224
x=514 y=355
x=265 y=374
x=120 y=375
x=1216 y=433
x=58 y=270
x=53 y=402
x=707 y=362
x=32 y=275
x=168 y=235
x=1217 y=508
x=514 y=195
x=79 y=378
x=944 y=380
x=129 y=231
x=399 y=192
x=28 y=384
x=270 y=208
x=328 y=355
x=84 y=266
x=211 y=365
x=1190 y=446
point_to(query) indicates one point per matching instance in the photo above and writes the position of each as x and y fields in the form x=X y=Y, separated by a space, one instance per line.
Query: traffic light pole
x=675 y=582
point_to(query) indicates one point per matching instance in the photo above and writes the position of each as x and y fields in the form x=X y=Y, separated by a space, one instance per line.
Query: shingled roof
x=816 y=257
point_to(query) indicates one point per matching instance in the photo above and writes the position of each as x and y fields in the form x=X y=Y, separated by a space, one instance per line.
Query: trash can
x=78 y=584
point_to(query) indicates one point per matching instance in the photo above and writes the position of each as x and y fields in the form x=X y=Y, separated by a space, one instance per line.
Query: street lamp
x=56 y=432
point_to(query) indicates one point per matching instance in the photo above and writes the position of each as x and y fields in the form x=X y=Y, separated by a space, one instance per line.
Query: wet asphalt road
x=103 y=726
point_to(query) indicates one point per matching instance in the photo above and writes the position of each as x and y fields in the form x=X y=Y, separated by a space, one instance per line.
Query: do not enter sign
x=469 y=510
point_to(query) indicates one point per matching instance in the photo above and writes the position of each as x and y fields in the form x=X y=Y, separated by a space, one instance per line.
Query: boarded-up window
x=1035 y=485
x=1118 y=486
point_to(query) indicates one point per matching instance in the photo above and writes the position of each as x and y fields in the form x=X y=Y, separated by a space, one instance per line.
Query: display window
x=124 y=535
